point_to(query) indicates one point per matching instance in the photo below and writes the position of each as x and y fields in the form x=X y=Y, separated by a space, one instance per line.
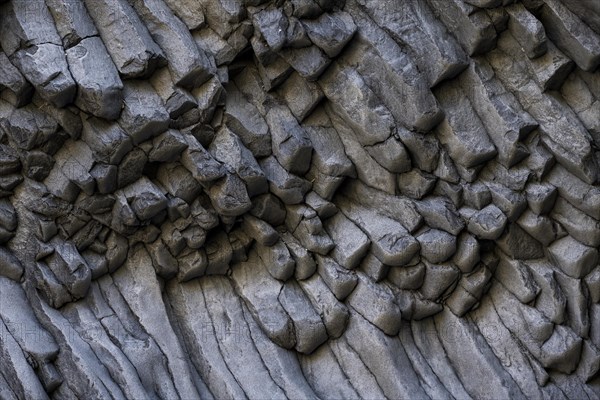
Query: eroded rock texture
x=299 y=199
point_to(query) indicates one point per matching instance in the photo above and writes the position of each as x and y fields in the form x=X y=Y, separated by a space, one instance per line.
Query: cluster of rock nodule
x=336 y=172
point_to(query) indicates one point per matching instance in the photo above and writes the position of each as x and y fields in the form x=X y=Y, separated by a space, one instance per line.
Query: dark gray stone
x=290 y=143
x=127 y=40
x=289 y=188
x=573 y=258
x=144 y=115
x=391 y=243
x=227 y=148
x=190 y=66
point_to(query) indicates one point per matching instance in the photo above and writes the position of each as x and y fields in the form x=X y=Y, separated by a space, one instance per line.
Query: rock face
x=299 y=199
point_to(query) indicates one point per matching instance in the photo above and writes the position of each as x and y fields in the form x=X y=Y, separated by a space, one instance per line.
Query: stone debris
x=302 y=199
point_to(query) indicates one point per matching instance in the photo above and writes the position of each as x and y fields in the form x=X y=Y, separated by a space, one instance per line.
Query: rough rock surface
x=299 y=199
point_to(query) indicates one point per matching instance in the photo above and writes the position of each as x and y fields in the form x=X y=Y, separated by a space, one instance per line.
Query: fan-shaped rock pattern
x=301 y=199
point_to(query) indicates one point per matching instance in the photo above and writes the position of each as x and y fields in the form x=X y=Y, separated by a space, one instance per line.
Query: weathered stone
x=146 y=198
x=331 y=31
x=576 y=39
x=223 y=16
x=167 y=146
x=541 y=227
x=291 y=145
x=333 y=313
x=472 y=28
x=592 y=281
x=328 y=156
x=374 y=268
x=199 y=162
x=70 y=268
x=449 y=190
x=275 y=73
x=209 y=40
x=462 y=132
x=177 y=100
x=10 y=266
x=272 y=25
x=340 y=281
x=578 y=224
x=229 y=196
x=391 y=243
x=190 y=66
x=324 y=208
x=164 y=263
x=357 y=105
x=132 y=167
x=105 y=176
x=98 y=84
x=144 y=115
x=416 y=184
x=478 y=282
x=440 y=214
x=528 y=30
x=437 y=54
x=436 y=246
x=75 y=159
x=208 y=96
x=227 y=148
x=9 y=160
x=552 y=68
x=69 y=118
x=35 y=48
x=300 y=95
x=544 y=343
x=260 y=291
x=519 y=244
x=589 y=364
x=27 y=127
x=219 y=253
x=488 y=223
x=12 y=80
x=376 y=304
x=577 y=296
x=243 y=118
x=310 y=62
x=573 y=151
x=309 y=329
x=438 y=278
x=296 y=34
x=517 y=279
x=476 y=195
x=573 y=258
x=269 y=208
x=305 y=263
x=306 y=226
x=541 y=197
x=351 y=244
x=551 y=300
x=407 y=278
x=506 y=122
x=109 y=143
x=37 y=165
x=575 y=191
x=289 y=188
x=260 y=230
x=127 y=40
x=190 y=12
x=511 y=203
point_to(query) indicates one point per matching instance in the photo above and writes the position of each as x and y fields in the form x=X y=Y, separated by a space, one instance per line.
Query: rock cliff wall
x=299 y=199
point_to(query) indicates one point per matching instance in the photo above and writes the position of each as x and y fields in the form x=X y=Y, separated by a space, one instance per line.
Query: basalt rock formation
x=299 y=199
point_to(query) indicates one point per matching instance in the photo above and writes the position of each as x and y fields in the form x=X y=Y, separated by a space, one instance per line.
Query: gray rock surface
x=302 y=199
